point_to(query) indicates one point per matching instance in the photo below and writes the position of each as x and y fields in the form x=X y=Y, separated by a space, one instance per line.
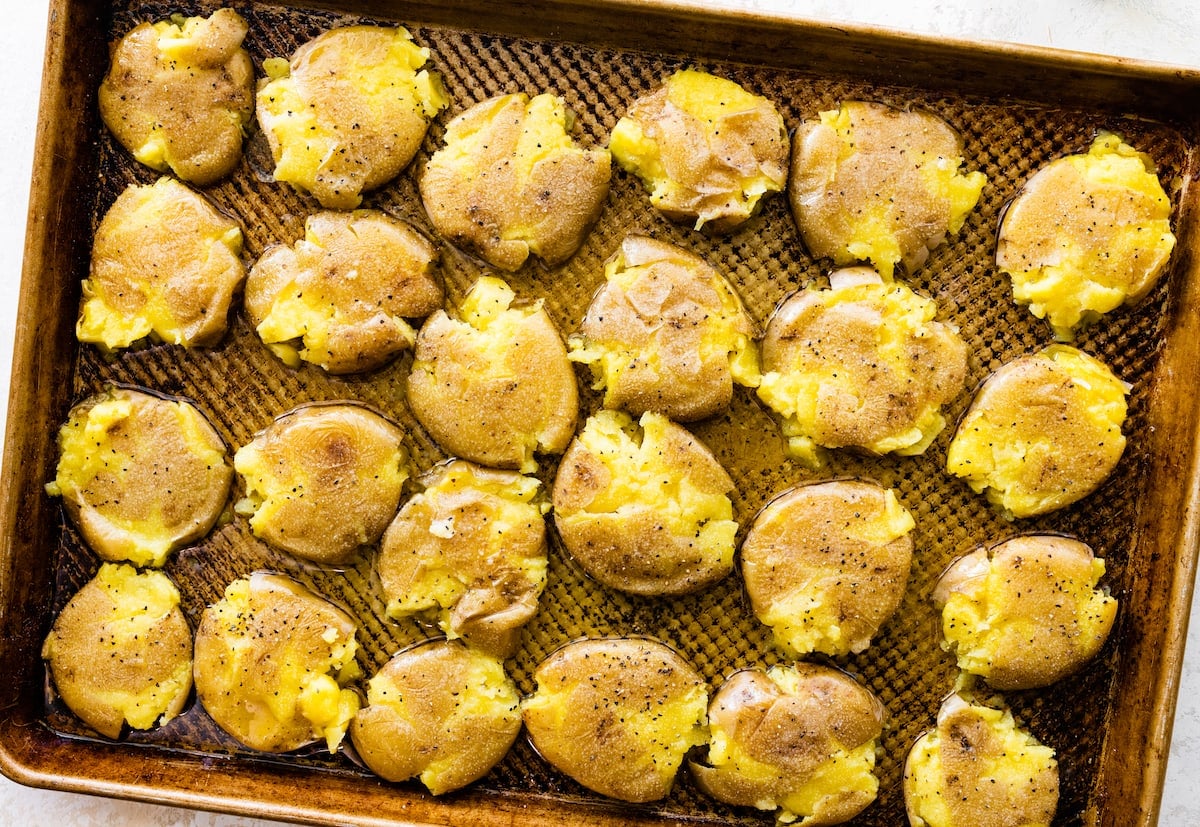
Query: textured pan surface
x=242 y=387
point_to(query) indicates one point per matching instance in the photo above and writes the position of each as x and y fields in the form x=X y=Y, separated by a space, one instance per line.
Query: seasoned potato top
x=471 y=548
x=439 y=711
x=1086 y=234
x=666 y=333
x=120 y=651
x=179 y=94
x=706 y=149
x=1043 y=432
x=618 y=716
x=272 y=661
x=140 y=475
x=827 y=564
x=349 y=111
x=860 y=364
x=164 y=264
x=873 y=183
x=511 y=183
x=340 y=296
x=800 y=739
x=645 y=507
x=1027 y=612
x=978 y=769
x=494 y=385
x=323 y=480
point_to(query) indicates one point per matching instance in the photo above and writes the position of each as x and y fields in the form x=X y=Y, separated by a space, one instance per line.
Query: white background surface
x=1165 y=30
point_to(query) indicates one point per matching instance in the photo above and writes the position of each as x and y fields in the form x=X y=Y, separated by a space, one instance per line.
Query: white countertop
x=1165 y=30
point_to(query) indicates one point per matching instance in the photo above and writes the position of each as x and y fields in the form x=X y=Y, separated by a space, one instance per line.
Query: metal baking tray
x=1016 y=108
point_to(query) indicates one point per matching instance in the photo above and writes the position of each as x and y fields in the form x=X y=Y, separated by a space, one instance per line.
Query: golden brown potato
x=340 y=296
x=511 y=183
x=120 y=651
x=978 y=769
x=349 y=111
x=666 y=333
x=494 y=385
x=644 y=508
x=1086 y=234
x=1043 y=432
x=439 y=712
x=1026 y=612
x=798 y=739
x=873 y=183
x=706 y=149
x=323 y=480
x=272 y=663
x=471 y=550
x=140 y=475
x=165 y=264
x=617 y=715
x=827 y=564
x=860 y=364
x=179 y=94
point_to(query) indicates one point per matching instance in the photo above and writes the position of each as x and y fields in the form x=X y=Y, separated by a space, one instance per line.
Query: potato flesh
x=140 y=475
x=121 y=651
x=666 y=334
x=164 y=264
x=349 y=111
x=978 y=769
x=1035 y=615
x=439 y=712
x=861 y=364
x=179 y=94
x=471 y=549
x=1086 y=234
x=339 y=297
x=272 y=661
x=1042 y=433
x=706 y=149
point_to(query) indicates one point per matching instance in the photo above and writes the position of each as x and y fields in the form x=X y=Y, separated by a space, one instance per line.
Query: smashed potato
x=272 y=664
x=323 y=480
x=666 y=333
x=979 y=769
x=1027 y=612
x=120 y=652
x=439 y=712
x=826 y=565
x=1043 y=432
x=494 y=385
x=140 y=475
x=165 y=264
x=470 y=549
x=872 y=183
x=860 y=364
x=339 y=297
x=617 y=715
x=348 y=112
x=179 y=94
x=1086 y=234
x=644 y=508
x=511 y=183
x=707 y=150
x=797 y=739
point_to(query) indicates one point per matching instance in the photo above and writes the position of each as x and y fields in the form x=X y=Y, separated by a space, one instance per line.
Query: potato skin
x=617 y=715
x=480 y=196
x=195 y=100
x=323 y=480
x=345 y=290
x=438 y=711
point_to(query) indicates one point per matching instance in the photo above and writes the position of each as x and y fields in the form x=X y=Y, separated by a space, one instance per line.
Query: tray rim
x=153 y=785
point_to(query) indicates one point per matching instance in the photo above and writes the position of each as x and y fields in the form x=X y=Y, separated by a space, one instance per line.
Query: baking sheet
x=1008 y=129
